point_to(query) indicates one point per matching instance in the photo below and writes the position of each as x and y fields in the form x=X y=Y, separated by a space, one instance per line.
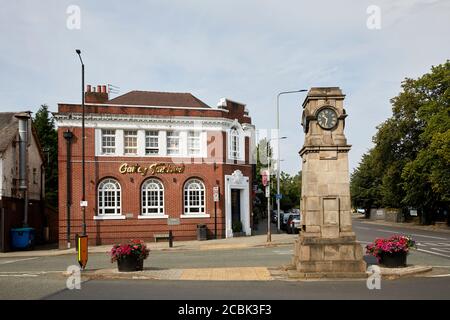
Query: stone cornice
x=97 y=120
x=316 y=149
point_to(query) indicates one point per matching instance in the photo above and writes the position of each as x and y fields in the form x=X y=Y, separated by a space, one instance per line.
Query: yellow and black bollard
x=82 y=248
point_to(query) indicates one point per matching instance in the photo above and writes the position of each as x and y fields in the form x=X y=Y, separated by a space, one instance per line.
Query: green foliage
x=237 y=226
x=410 y=162
x=290 y=186
x=365 y=183
x=48 y=139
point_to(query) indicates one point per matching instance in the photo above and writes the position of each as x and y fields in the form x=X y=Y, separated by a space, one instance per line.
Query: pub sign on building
x=150 y=157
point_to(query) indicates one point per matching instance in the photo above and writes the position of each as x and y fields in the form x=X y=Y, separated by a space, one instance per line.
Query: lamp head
x=78 y=51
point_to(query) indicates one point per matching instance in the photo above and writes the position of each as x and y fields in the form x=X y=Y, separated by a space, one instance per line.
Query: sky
x=246 y=50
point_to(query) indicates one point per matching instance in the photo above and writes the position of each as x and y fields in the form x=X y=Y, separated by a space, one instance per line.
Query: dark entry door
x=235 y=205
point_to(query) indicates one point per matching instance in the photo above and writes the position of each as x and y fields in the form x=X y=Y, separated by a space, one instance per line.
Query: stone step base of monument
x=386 y=273
x=294 y=274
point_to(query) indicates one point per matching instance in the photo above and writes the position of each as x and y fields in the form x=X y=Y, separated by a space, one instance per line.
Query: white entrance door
x=237 y=187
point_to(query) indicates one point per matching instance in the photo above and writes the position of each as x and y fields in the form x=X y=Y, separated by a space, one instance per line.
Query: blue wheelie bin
x=22 y=238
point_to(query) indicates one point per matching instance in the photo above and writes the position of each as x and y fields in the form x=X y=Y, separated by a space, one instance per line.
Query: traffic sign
x=265 y=175
x=216 y=193
x=267 y=192
x=173 y=221
x=279 y=196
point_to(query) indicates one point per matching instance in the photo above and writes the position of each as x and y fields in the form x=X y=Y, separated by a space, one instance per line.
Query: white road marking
x=439 y=275
x=446 y=250
x=441 y=266
x=18 y=260
x=283 y=251
x=411 y=234
x=421 y=235
x=29 y=272
x=432 y=252
x=19 y=275
x=434 y=244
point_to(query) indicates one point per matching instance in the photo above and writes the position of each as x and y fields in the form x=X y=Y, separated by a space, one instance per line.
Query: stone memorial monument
x=326 y=246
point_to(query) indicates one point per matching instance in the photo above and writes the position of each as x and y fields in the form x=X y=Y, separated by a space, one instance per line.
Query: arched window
x=234 y=143
x=109 y=197
x=152 y=197
x=194 y=197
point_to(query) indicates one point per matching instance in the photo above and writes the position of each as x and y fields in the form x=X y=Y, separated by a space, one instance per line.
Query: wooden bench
x=160 y=236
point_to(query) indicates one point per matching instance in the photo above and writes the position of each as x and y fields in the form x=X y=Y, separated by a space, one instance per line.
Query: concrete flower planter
x=393 y=260
x=130 y=263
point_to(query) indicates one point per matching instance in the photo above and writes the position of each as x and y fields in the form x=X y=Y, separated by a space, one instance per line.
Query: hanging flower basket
x=391 y=252
x=130 y=256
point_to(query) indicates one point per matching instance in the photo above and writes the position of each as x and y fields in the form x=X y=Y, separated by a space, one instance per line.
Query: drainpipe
x=68 y=136
x=23 y=176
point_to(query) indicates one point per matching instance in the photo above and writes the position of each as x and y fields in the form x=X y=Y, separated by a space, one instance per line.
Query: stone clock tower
x=327 y=245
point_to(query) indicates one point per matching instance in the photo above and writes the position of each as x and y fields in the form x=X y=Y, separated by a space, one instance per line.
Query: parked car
x=360 y=210
x=283 y=219
x=293 y=224
x=273 y=216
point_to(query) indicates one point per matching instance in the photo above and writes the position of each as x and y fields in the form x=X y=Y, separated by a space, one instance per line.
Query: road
x=408 y=289
x=435 y=244
x=40 y=277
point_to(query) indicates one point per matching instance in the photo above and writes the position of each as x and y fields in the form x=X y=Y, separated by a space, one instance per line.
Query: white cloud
x=245 y=50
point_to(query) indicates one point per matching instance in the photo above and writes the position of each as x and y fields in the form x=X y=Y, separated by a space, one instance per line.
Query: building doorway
x=237 y=203
x=235 y=206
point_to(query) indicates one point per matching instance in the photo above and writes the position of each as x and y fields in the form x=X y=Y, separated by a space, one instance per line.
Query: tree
x=260 y=205
x=290 y=188
x=426 y=179
x=48 y=138
x=365 y=184
x=409 y=163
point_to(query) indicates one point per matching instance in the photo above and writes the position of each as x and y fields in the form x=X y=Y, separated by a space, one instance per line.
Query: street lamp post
x=278 y=151
x=269 y=233
x=83 y=196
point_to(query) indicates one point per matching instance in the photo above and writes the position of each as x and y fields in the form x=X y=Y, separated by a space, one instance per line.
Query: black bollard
x=170 y=239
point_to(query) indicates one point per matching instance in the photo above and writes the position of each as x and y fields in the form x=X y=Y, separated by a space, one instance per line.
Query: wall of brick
x=211 y=171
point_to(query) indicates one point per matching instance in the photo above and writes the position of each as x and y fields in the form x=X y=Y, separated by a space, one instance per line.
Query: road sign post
x=216 y=199
x=172 y=222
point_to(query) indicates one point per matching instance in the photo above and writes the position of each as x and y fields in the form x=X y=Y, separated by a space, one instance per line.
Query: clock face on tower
x=327 y=118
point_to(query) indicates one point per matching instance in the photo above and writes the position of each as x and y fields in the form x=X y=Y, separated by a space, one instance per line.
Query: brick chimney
x=93 y=96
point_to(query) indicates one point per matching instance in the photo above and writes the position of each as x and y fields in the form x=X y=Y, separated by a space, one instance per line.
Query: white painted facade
x=242 y=183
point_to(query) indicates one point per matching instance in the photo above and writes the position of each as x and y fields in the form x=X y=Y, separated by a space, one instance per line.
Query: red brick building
x=151 y=156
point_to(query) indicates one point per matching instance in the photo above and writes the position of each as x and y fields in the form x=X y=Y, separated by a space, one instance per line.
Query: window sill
x=164 y=216
x=111 y=217
x=202 y=215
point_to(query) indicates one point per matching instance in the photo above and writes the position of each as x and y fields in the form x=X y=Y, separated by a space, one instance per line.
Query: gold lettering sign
x=155 y=168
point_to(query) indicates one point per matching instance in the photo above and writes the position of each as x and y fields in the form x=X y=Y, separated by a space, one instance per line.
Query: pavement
x=216 y=244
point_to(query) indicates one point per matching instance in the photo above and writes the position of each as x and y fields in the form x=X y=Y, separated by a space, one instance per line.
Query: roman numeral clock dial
x=327 y=118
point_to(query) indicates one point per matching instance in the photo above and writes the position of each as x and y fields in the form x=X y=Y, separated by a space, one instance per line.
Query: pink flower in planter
x=396 y=243
x=134 y=247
